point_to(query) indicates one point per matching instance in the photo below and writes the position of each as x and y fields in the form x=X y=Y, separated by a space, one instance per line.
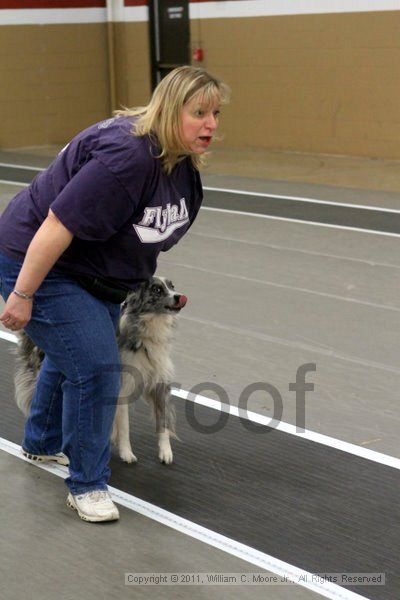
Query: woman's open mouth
x=205 y=139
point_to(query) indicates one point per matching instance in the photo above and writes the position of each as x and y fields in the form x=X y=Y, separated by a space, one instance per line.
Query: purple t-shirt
x=107 y=188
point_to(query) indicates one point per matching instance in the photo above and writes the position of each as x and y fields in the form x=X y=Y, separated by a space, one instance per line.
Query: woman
x=85 y=232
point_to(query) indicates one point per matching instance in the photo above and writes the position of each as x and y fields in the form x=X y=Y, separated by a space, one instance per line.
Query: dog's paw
x=165 y=455
x=127 y=455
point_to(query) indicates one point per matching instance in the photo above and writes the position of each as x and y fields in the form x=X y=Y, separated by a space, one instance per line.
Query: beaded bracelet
x=23 y=295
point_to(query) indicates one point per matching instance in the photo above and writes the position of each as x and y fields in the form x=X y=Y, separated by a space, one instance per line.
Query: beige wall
x=311 y=83
x=132 y=58
x=53 y=82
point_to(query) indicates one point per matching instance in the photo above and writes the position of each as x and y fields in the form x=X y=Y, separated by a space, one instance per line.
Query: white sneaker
x=59 y=458
x=94 y=506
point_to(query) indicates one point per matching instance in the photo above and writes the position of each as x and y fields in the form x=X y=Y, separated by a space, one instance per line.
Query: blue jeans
x=74 y=402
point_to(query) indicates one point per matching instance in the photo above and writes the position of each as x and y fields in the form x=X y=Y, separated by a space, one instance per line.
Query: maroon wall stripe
x=135 y=2
x=51 y=3
x=18 y=4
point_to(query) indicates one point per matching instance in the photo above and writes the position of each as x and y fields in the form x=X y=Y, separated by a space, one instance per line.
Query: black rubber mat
x=332 y=214
x=312 y=506
x=17 y=174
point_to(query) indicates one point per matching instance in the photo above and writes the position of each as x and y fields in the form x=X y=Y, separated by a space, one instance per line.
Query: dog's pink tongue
x=182 y=301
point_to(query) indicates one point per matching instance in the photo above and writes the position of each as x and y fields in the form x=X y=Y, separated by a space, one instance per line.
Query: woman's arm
x=49 y=242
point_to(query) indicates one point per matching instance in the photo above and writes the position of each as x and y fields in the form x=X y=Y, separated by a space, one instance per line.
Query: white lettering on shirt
x=159 y=223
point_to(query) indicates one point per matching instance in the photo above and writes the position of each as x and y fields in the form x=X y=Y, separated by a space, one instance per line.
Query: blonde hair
x=161 y=118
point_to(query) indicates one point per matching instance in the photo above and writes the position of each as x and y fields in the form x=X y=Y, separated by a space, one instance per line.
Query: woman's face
x=198 y=124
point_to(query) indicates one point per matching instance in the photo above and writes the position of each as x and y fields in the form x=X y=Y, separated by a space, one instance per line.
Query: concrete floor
x=265 y=297
x=47 y=552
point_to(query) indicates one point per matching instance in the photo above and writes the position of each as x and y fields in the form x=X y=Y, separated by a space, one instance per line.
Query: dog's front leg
x=164 y=448
x=121 y=434
x=165 y=420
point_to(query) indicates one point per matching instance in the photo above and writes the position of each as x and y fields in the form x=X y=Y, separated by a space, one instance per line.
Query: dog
x=144 y=335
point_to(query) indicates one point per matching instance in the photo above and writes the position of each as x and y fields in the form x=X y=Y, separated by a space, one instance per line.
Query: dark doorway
x=169 y=36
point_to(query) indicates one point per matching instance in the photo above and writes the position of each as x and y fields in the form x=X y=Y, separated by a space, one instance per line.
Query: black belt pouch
x=102 y=289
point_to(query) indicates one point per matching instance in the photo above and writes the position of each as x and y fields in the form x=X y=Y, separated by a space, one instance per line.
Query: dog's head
x=157 y=296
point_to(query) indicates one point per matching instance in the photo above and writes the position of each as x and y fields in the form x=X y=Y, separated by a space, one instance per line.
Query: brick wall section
x=311 y=83
x=132 y=64
x=54 y=82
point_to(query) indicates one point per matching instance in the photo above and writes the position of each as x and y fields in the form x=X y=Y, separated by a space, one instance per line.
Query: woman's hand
x=17 y=312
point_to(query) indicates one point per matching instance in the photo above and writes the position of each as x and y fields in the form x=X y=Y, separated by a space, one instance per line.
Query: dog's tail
x=29 y=359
